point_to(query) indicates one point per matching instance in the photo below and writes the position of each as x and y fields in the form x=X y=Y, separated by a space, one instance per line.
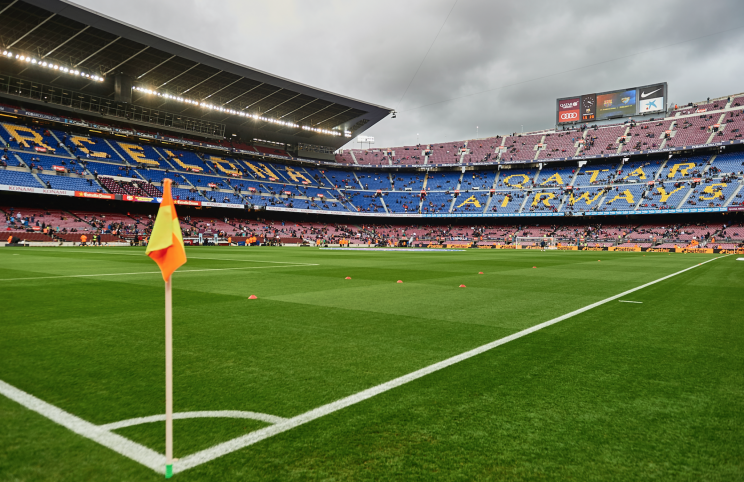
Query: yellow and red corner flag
x=166 y=243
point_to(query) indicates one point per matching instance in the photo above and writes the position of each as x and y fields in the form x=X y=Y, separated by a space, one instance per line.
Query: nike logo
x=644 y=94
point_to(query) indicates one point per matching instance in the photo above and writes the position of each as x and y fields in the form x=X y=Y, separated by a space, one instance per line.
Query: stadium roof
x=78 y=38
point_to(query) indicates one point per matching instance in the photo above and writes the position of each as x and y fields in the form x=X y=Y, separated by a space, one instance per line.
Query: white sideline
x=225 y=448
x=139 y=453
x=156 y=462
x=87 y=251
x=263 y=417
x=156 y=272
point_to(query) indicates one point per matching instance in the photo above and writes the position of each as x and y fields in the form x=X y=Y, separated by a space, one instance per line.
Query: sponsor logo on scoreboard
x=651 y=98
x=568 y=110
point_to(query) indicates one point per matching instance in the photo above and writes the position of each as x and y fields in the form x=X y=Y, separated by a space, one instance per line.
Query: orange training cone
x=480 y=272
x=348 y=277
x=253 y=297
x=534 y=266
x=400 y=281
x=463 y=286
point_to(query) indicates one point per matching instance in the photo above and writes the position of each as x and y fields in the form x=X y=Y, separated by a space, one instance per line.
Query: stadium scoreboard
x=612 y=104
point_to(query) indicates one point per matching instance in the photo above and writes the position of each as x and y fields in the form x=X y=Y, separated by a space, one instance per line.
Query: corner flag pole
x=165 y=247
x=168 y=380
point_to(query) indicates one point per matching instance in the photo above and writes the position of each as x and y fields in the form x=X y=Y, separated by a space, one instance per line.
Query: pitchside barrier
x=631 y=249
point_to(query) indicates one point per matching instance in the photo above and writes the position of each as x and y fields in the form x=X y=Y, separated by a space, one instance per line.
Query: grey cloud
x=370 y=50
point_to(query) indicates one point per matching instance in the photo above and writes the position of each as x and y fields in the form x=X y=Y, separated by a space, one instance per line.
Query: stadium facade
x=95 y=111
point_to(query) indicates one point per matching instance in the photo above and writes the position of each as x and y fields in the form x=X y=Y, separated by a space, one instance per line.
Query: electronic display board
x=621 y=103
x=612 y=104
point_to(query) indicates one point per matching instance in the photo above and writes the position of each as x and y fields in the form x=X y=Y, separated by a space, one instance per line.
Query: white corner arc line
x=155 y=272
x=122 y=445
x=225 y=448
x=156 y=462
x=263 y=417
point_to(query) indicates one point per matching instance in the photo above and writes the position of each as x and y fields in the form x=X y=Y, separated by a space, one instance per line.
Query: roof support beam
x=96 y=52
x=241 y=95
x=263 y=98
x=336 y=115
x=316 y=112
x=223 y=88
x=124 y=62
x=161 y=63
x=11 y=4
x=280 y=103
x=200 y=83
x=65 y=42
x=177 y=76
x=301 y=107
x=31 y=31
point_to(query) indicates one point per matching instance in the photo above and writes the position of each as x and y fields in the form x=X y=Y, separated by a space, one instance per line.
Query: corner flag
x=166 y=249
x=166 y=243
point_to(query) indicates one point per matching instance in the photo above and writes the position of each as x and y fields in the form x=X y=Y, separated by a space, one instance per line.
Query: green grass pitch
x=625 y=391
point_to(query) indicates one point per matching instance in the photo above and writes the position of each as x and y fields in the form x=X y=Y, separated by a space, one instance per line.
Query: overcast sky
x=504 y=62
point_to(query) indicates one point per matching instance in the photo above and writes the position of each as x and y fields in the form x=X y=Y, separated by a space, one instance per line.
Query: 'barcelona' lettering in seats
x=178 y=161
x=296 y=176
x=80 y=142
x=218 y=163
x=138 y=154
x=24 y=134
x=262 y=170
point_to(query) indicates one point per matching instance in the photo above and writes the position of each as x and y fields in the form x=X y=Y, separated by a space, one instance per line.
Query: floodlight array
x=216 y=108
x=52 y=66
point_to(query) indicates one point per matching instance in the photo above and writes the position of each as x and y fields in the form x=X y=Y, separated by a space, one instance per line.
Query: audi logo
x=569 y=115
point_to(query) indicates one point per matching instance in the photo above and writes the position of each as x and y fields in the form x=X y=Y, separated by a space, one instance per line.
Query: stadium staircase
x=493 y=186
x=111 y=146
x=733 y=196
x=454 y=199
x=384 y=206
x=684 y=199
x=620 y=145
x=60 y=143
x=361 y=186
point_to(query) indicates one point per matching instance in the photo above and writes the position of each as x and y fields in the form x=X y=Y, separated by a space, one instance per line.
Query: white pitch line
x=189 y=257
x=156 y=462
x=156 y=272
x=739 y=259
x=122 y=445
x=626 y=301
x=225 y=448
x=263 y=417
